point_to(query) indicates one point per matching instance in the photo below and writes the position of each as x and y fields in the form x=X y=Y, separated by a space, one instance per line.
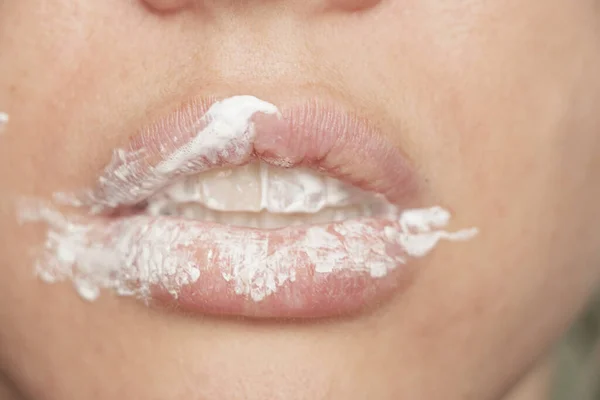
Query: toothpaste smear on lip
x=224 y=132
x=132 y=255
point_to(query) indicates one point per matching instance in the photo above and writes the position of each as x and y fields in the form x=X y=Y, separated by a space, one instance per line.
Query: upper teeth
x=259 y=187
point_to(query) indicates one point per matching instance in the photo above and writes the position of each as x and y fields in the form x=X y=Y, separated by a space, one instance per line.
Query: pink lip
x=313 y=134
x=296 y=287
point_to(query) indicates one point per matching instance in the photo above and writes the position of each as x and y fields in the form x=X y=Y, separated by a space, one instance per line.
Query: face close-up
x=294 y=199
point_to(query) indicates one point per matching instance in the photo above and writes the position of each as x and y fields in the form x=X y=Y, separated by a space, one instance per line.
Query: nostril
x=166 y=5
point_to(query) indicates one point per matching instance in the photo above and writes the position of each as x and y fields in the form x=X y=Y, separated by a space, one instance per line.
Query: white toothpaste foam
x=228 y=134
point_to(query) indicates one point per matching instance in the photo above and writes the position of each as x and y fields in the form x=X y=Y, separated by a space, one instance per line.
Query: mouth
x=236 y=207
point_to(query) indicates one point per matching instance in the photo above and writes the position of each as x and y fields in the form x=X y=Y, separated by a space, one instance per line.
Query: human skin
x=495 y=102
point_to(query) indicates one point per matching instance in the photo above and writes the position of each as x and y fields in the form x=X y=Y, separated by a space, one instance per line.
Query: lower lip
x=311 y=271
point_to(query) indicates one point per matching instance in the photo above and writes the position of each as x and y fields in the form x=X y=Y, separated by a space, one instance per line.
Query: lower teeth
x=264 y=219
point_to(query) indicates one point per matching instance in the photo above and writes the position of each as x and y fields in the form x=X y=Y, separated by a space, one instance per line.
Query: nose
x=329 y=5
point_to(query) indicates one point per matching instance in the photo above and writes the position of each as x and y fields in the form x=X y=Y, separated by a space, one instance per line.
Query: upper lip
x=314 y=133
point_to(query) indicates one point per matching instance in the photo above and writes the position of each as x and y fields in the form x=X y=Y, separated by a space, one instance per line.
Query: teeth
x=340 y=194
x=327 y=215
x=263 y=196
x=294 y=190
x=264 y=219
x=192 y=211
x=257 y=187
x=236 y=189
x=251 y=220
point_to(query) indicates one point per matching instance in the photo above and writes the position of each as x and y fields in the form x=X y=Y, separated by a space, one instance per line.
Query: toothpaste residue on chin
x=133 y=256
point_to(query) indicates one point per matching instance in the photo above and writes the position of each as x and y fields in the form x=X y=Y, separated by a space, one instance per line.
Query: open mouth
x=243 y=209
x=262 y=196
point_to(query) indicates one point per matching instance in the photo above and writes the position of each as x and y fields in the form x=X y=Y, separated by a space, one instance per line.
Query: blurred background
x=578 y=373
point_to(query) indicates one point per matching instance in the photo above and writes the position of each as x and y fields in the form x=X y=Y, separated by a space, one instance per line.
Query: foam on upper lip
x=241 y=129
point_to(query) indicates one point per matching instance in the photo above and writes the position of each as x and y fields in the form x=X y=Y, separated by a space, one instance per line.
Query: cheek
x=505 y=127
x=62 y=84
x=506 y=122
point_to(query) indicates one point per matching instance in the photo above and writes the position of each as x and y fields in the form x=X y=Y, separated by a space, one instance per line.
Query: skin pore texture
x=494 y=104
